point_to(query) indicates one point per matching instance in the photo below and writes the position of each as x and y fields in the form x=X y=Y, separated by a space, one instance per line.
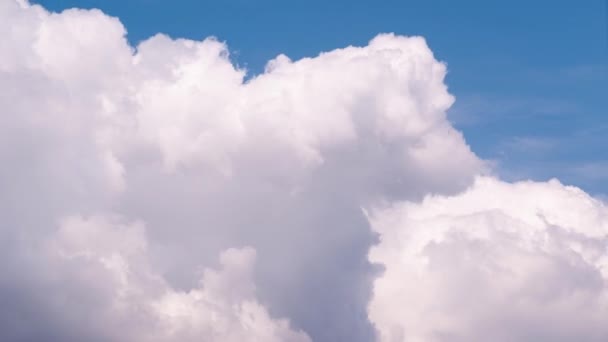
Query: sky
x=240 y=171
x=530 y=79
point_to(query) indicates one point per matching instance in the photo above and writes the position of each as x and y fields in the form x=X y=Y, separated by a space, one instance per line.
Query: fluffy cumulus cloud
x=169 y=134
x=126 y=171
x=500 y=262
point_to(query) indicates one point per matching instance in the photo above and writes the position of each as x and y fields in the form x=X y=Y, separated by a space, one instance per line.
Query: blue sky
x=530 y=78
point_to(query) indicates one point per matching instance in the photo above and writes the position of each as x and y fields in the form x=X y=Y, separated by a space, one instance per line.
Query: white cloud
x=502 y=262
x=169 y=133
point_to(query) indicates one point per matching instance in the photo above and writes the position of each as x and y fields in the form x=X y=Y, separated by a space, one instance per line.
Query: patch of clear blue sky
x=530 y=77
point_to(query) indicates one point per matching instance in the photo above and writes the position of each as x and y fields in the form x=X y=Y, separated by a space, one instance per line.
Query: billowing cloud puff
x=501 y=262
x=108 y=258
x=94 y=281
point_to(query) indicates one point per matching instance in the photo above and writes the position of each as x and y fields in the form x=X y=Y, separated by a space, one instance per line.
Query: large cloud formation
x=127 y=170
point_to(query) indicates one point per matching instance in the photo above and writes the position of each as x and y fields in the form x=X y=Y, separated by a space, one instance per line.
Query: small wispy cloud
x=478 y=109
x=529 y=144
x=594 y=170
